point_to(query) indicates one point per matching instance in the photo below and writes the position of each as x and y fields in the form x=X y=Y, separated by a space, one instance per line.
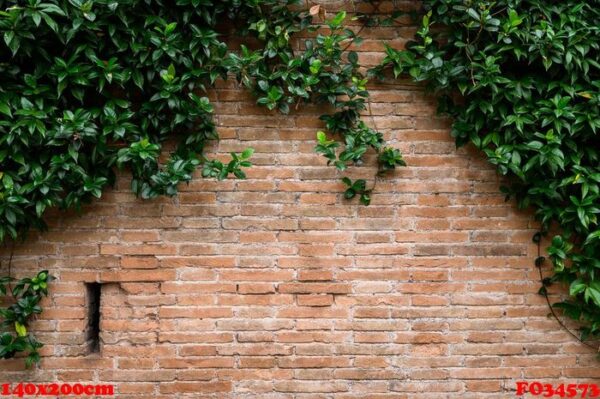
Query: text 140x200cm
x=22 y=389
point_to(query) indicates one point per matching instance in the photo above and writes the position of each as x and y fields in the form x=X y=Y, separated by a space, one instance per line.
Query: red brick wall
x=276 y=287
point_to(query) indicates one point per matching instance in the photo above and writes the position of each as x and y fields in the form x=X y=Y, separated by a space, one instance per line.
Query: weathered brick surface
x=276 y=287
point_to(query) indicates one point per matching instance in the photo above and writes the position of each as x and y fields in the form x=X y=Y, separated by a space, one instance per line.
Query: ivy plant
x=25 y=297
x=90 y=87
x=521 y=80
x=87 y=87
x=324 y=73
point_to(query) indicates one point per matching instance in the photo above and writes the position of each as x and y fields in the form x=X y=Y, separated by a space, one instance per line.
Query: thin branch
x=352 y=41
x=552 y=311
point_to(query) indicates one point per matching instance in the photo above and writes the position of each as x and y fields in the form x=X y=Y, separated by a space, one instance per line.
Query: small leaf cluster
x=219 y=170
x=25 y=296
x=357 y=187
x=521 y=80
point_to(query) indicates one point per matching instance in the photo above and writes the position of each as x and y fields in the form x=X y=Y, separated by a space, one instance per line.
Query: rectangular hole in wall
x=92 y=332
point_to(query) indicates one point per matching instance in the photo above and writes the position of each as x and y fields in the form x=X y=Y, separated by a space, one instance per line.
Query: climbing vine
x=89 y=87
x=521 y=80
x=25 y=297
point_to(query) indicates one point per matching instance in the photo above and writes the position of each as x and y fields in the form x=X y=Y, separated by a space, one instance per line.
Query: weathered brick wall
x=276 y=287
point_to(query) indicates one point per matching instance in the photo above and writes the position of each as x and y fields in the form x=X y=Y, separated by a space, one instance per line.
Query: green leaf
x=353 y=57
x=594 y=236
x=138 y=78
x=170 y=28
x=577 y=287
x=594 y=294
x=5 y=109
x=365 y=199
x=247 y=153
x=321 y=137
x=37 y=18
x=275 y=93
x=315 y=66
x=7 y=181
x=514 y=19
x=337 y=20
x=50 y=22
x=473 y=14
x=20 y=329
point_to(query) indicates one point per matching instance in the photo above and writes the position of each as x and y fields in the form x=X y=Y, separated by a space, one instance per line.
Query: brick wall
x=276 y=287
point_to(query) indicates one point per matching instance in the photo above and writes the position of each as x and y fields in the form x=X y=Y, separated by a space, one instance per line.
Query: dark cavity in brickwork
x=93 y=291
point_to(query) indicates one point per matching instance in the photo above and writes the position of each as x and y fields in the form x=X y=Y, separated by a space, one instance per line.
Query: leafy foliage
x=26 y=295
x=528 y=74
x=89 y=86
x=357 y=187
x=322 y=74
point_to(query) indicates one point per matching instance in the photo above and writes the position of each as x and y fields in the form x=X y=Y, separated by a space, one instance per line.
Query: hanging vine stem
x=539 y=262
x=564 y=189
